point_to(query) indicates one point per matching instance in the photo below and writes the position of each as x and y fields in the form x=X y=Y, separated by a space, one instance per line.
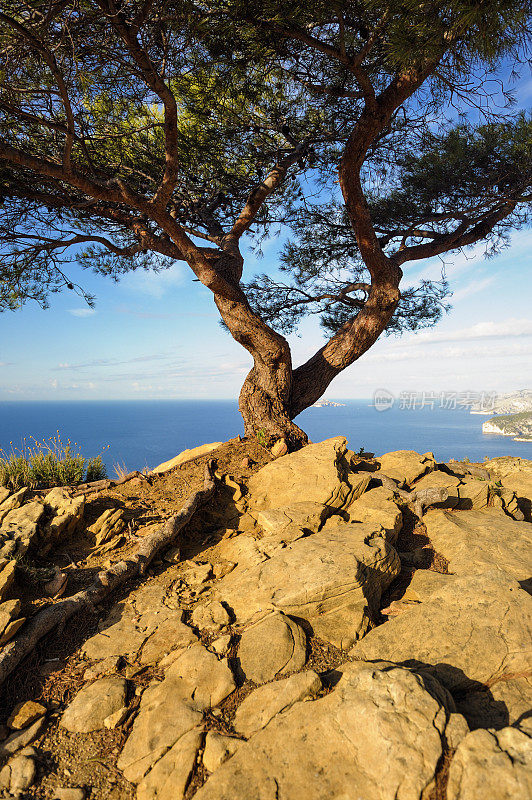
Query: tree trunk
x=266 y=414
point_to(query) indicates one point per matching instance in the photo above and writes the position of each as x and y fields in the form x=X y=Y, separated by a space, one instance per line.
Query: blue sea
x=138 y=434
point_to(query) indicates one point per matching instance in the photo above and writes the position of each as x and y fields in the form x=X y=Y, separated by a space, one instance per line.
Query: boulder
x=500 y=760
x=12 y=501
x=441 y=480
x=108 y=525
x=168 y=779
x=127 y=633
x=317 y=472
x=20 y=525
x=274 y=646
x=476 y=541
x=507 y=701
x=7 y=576
x=204 y=678
x=405 y=466
x=170 y=708
x=93 y=704
x=163 y=718
x=514 y=474
x=473 y=629
x=377 y=507
x=67 y=514
x=184 y=456
x=333 y=579
x=264 y=703
x=19 y=774
x=289 y=523
x=335 y=747
x=4 y=494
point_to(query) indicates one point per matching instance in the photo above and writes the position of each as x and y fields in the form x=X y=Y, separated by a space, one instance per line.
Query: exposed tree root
x=106 y=580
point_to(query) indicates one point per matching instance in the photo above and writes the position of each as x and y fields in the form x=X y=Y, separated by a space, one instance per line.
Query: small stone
x=11 y=630
x=273 y=646
x=25 y=714
x=8 y=612
x=7 y=576
x=20 y=739
x=246 y=462
x=22 y=773
x=116 y=719
x=218 y=749
x=223 y=568
x=210 y=616
x=221 y=645
x=280 y=448
x=67 y=793
x=93 y=704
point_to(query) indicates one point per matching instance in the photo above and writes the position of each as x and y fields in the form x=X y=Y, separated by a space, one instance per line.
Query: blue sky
x=158 y=336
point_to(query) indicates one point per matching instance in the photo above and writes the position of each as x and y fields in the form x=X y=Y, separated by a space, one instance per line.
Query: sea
x=141 y=434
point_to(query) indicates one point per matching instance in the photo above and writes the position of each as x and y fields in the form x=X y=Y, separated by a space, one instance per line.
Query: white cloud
x=472 y=288
x=155 y=284
x=481 y=330
x=82 y=312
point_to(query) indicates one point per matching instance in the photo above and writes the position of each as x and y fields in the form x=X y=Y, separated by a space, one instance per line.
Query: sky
x=155 y=336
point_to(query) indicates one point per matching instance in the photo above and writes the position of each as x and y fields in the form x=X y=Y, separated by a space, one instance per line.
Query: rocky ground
x=327 y=626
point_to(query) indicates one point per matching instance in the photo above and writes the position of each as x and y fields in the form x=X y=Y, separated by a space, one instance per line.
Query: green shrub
x=49 y=463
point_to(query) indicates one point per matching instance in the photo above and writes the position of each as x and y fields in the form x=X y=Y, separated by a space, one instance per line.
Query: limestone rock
x=164 y=717
x=125 y=633
x=108 y=525
x=170 y=708
x=218 y=748
x=476 y=541
x=274 y=646
x=405 y=465
x=377 y=507
x=169 y=634
x=319 y=472
x=11 y=629
x=8 y=612
x=210 y=616
x=196 y=574
x=441 y=480
x=291 y=522
x=500 y=759
x=67 y=514
x=221 y=645
x=336 y=746
x=25 y=714
x=514 y=474
x=4 y=494
x=20 y=525
x=7 y=576
x=474 y=628
x=280 y=448
x=19 y=774
x=20 y=739
x=206 y=680
x=456 y=730
x=93 y=704
x=169 y=777
x=506 y=702
x=12 y=501
x=115 y=719
x=264 y=703
x=184 y=456
x=333 y=579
